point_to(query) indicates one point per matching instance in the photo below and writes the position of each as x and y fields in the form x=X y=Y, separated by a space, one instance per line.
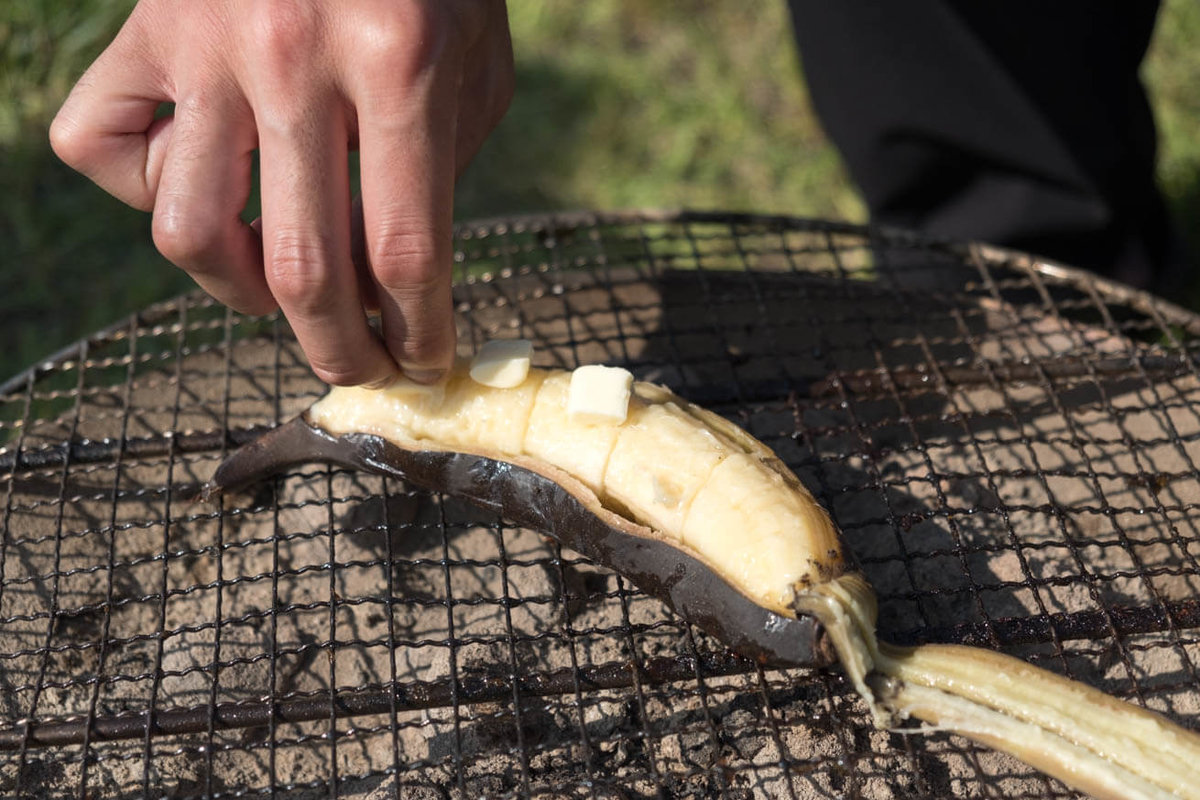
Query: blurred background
x=620 y=104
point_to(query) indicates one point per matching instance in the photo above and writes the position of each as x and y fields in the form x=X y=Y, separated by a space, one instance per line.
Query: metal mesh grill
x=1010 y=448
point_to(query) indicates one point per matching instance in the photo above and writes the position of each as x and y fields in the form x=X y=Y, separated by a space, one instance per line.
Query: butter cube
x=599 y=395
x=502 y=363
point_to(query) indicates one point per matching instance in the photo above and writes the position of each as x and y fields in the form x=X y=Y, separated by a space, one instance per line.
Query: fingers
x=302 y=81
x=306 y=243
x=204 y=184
x=106 y=127
x=407 y=157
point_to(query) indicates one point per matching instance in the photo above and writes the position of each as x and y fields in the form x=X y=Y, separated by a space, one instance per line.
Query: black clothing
x=1009 y=121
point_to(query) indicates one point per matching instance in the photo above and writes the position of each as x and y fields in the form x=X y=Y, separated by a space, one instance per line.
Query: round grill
x=1010 y=448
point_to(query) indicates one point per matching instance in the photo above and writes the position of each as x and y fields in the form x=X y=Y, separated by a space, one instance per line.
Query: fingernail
x=424 y=375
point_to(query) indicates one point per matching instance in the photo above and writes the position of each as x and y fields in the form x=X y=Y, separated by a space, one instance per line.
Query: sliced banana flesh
x=631 y=467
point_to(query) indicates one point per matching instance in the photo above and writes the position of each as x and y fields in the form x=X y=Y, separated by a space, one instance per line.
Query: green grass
x=621 y=103
x=629 y=104
x=1172 y=72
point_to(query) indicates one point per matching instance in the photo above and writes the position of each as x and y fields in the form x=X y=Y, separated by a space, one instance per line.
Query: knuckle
x=409 y=260
x=285 y=34
x=426 y=348
x=299 y=275
x=184 y=239
x=408 y=38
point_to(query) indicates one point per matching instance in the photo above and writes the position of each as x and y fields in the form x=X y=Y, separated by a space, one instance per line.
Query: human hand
x=415 y=85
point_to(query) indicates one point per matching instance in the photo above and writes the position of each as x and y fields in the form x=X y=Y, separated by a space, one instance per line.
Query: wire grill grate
x=1010 y=448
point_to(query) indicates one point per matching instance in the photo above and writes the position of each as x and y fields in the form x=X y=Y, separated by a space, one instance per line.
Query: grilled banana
x=701 y=514
x=700 y=484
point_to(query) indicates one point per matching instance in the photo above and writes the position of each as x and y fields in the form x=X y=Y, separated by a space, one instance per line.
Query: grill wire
x=1010 y=448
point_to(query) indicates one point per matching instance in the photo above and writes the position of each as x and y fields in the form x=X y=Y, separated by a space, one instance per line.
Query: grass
x=1172 y=72
x=620 y=103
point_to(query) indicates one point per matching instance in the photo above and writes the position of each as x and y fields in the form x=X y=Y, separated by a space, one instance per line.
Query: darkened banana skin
x=700 y=514
x=543 y=499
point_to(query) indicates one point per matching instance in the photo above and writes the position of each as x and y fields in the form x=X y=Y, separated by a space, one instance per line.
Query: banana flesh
x=695 y=485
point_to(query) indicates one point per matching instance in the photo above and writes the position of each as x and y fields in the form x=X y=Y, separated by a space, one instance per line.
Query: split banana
x=698 y=512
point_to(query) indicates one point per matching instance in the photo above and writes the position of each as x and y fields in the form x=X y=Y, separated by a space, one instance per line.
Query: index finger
x=106 y=127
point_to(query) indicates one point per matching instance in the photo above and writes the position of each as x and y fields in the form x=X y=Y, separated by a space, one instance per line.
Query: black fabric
x=1014 y=122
